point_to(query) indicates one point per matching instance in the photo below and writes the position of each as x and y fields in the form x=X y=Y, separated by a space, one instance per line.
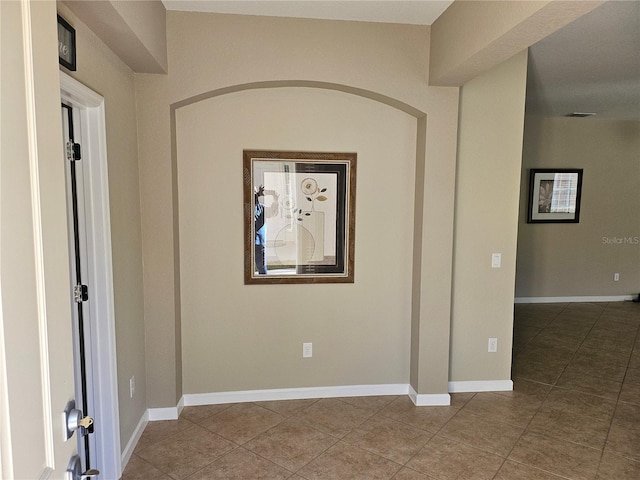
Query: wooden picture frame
x=299 y=217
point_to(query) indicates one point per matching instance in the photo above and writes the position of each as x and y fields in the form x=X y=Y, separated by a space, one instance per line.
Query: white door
x=36 y=347
x=36 y=362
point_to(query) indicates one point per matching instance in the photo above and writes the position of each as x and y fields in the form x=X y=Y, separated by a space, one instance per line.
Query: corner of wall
x=486 y=221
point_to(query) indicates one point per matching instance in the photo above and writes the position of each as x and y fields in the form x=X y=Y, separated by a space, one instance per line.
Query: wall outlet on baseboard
x=616 y=277
x=493 y=345
x=132 y=386
x=307 y=350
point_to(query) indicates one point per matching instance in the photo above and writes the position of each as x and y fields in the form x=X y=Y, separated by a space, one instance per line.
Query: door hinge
x=73 y=151
x=80 y=293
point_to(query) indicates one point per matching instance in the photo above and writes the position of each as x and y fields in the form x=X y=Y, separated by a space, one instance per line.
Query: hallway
x=574 y=414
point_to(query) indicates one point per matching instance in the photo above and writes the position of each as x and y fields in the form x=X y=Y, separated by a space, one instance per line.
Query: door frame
x=98 y=230
x=78 y=269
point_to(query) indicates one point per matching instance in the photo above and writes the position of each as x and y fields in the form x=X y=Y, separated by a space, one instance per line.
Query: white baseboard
x=158 y=414
x=133 y=441
x=293 y=394
x=168 y=413
x=481 y=386
x=243 y=396
x=180 y=406
x=618 y=298
x=429 y=399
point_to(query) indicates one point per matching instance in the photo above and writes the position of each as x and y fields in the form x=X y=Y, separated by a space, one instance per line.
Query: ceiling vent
x=579 y=114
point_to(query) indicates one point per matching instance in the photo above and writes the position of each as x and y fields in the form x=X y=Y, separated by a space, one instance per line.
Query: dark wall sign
x=66 y=44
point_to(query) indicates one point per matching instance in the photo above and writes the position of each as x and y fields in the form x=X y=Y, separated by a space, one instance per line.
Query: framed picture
x=554 y=195
x=299 y=217
x=66 y=44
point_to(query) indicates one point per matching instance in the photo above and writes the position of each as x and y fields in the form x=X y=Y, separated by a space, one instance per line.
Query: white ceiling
x=591 y=65
x=415 y=12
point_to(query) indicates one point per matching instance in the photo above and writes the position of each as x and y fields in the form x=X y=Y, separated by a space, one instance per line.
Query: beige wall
x=244 y=337
x=100 y=70
x=568 y=260
x=159 y=238
x=210 y=53
x=486 y=220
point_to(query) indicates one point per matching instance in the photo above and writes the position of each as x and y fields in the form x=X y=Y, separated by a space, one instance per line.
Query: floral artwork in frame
x=554 y=195
x=299 y=217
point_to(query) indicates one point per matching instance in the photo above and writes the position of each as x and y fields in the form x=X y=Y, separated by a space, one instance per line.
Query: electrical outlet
x=307 y=350
x=616 y=277
x=132 y=386
x=496 y=260
x=493 y=345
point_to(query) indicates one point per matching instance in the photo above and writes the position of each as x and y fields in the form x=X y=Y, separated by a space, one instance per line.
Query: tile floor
x=574 y=414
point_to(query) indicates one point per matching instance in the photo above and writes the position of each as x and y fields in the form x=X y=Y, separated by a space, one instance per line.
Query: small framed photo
x=554 y=195
x=299 y=217
x=66 y=44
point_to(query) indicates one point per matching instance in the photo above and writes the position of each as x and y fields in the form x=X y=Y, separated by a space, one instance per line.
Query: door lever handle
x=74 y=470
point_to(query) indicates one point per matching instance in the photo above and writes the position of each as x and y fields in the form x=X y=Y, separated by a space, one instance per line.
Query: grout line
x=554 y=385
x=635 y=340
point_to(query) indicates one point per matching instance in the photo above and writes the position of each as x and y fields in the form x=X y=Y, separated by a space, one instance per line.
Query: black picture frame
x=308 y=214
x=66 y=44
x=554 y=195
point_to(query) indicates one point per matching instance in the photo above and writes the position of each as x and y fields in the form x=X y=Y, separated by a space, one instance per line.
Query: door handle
x=74 y=470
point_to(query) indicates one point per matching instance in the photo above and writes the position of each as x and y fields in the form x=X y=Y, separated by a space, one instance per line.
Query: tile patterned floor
x=574 y=414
